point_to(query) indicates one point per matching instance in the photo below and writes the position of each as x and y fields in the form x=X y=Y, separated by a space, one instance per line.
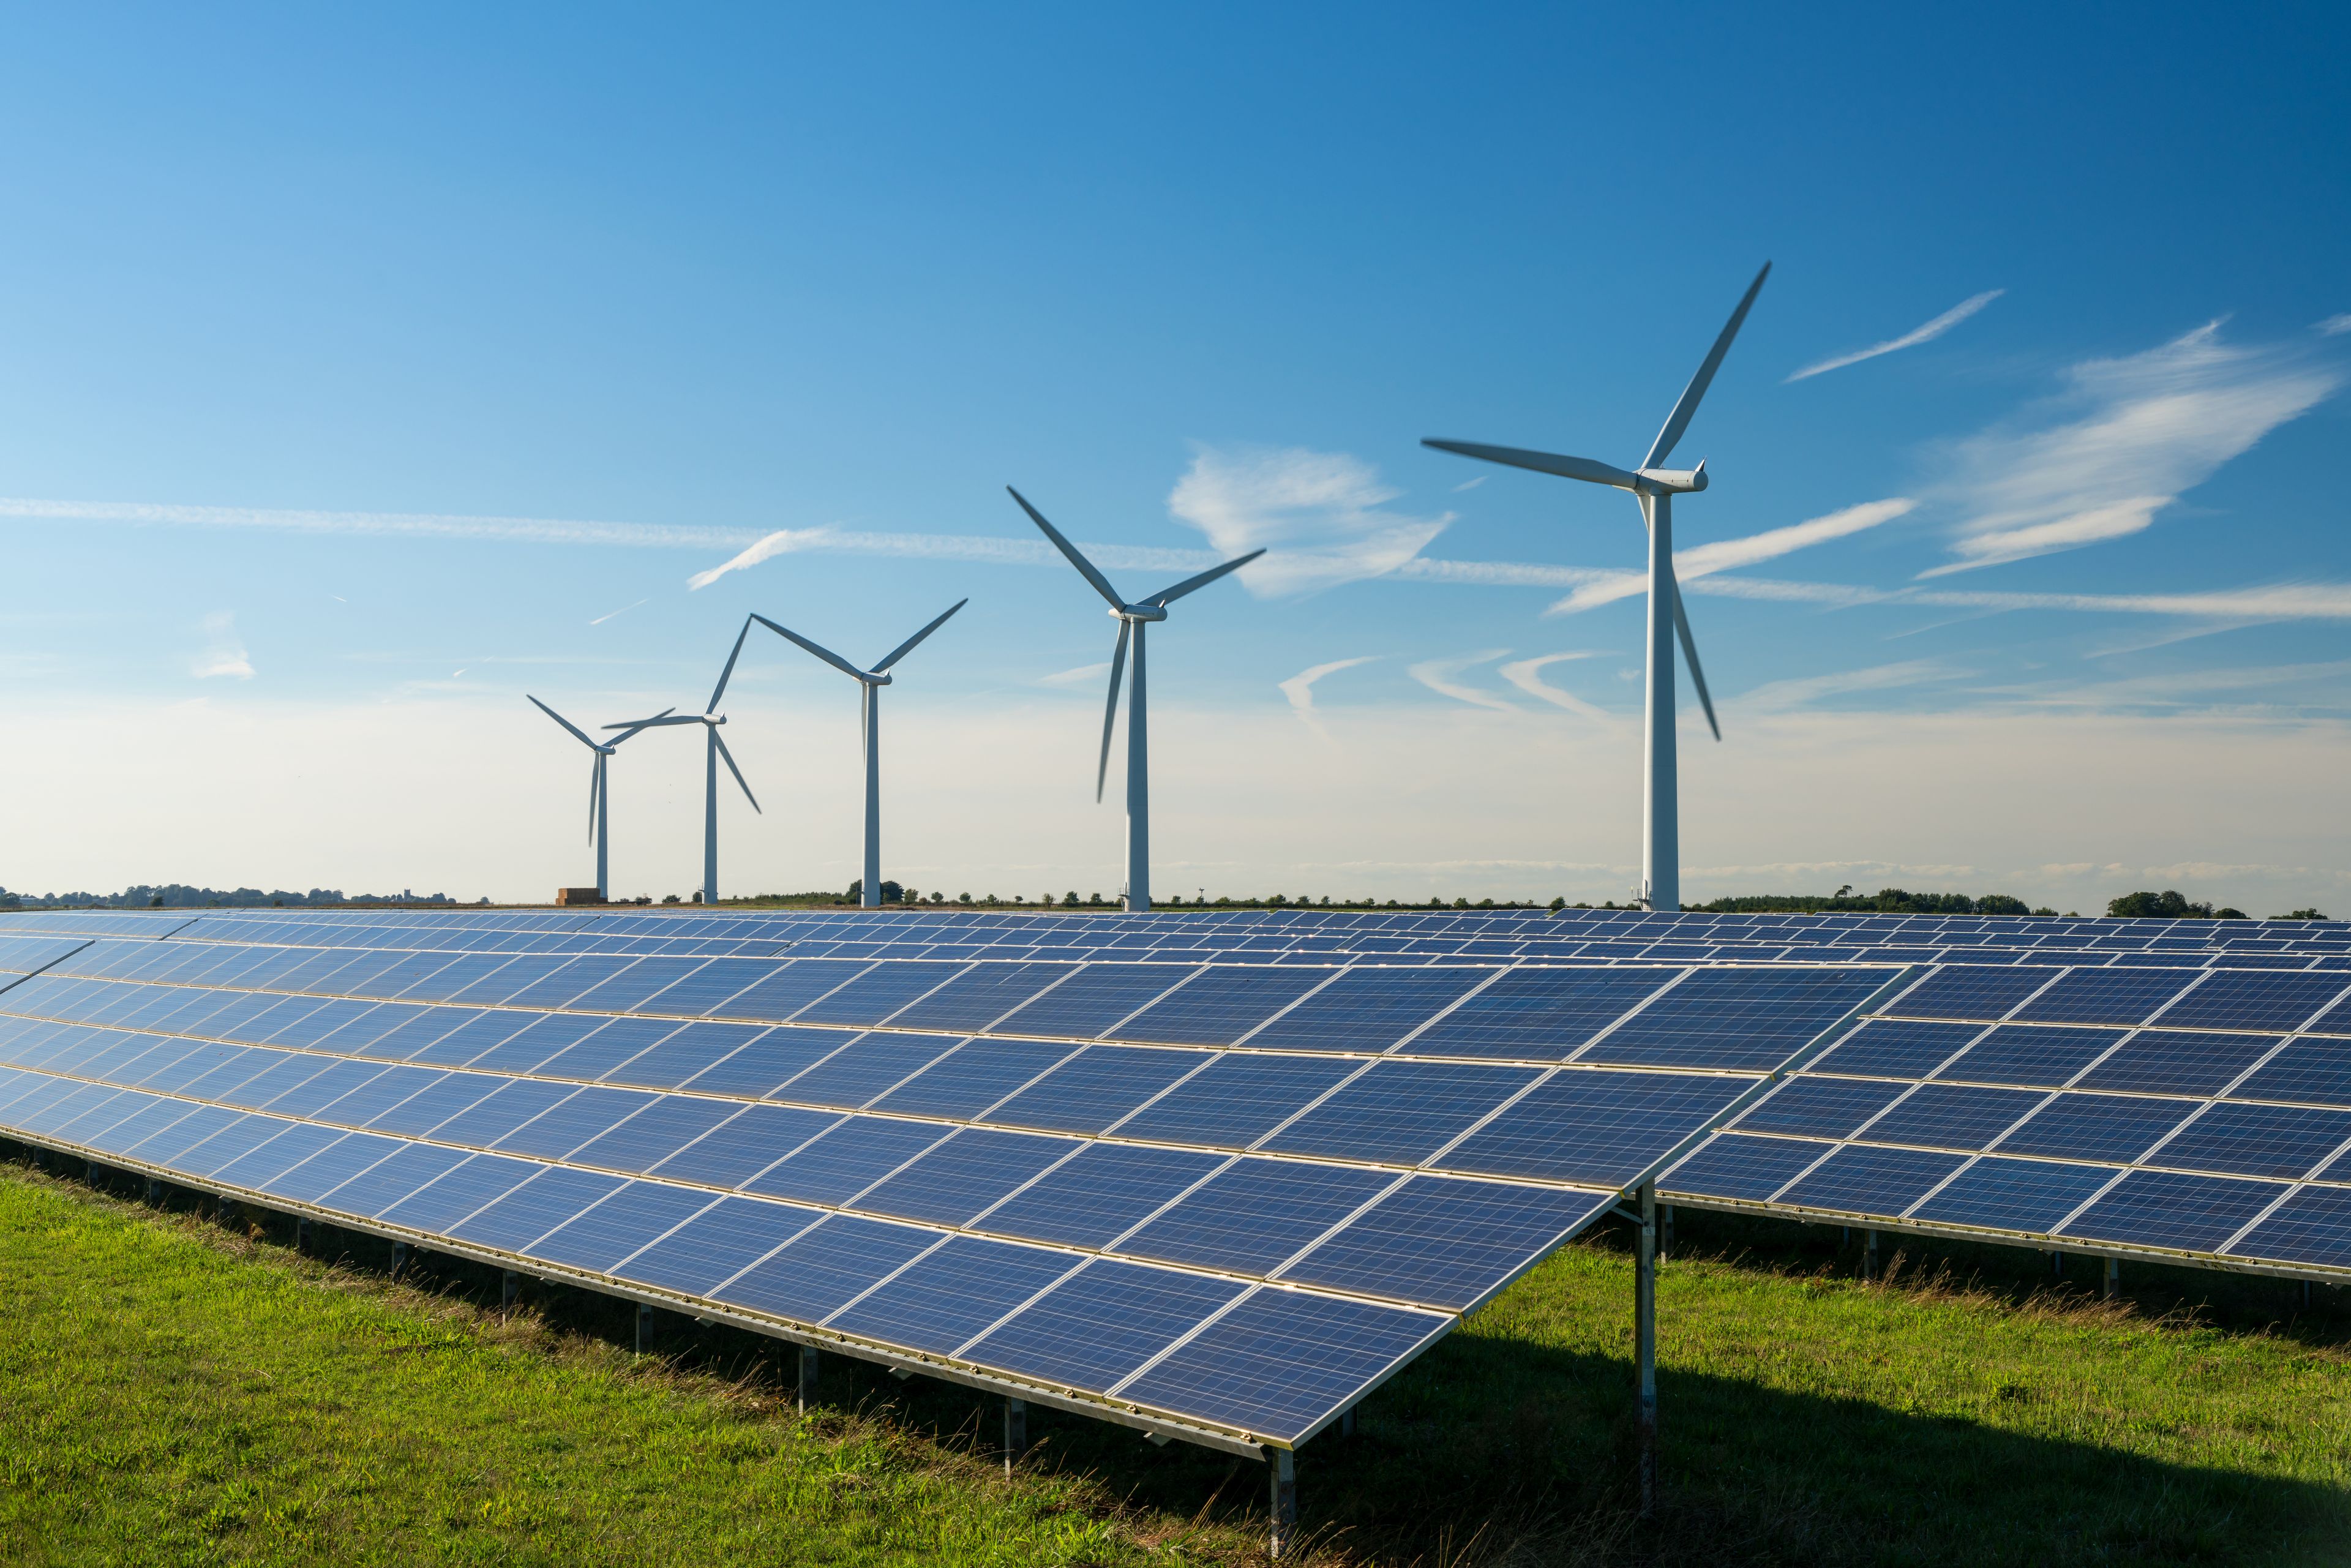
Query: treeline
x=1884 y=900
x=178 y=895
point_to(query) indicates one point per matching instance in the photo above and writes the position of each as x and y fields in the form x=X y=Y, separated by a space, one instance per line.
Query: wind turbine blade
x=827 y=655
x=1583 y=468
x=1689 y=651
x=576 y=733
x=1085 y=567
x=907 y=646
x=595 y=782
x=1679 y=421
x=1110 y=710
x=728 y=672
x=1168 y=595
x=720 y=741
x=657 y=722
x=632 y=733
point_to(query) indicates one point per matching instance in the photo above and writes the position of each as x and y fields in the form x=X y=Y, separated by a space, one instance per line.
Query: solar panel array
x=2199 y=1115
x=1281 y=936
x=1226 y=1199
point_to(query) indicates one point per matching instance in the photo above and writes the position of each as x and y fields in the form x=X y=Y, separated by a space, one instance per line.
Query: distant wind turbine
x=1132 y=618
x=870 y=683
x=710 y=718
x=1654 y=488
x=599 y=794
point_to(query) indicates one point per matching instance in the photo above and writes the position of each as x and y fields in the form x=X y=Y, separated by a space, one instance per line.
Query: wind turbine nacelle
x=1140 y=612
x=1674 y=481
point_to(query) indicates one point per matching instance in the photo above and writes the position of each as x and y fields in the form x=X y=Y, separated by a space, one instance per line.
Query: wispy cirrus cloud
x=1726 y=555
x=1526 y=675
x=2334 y=326
x=1438 y=675
x=1926 y=333
x=1780 y=696
x=1317 y=515
x=223 y=652
x=1083 y=675
x=2274 y=602
x=1300 y=687
x=2125 y=439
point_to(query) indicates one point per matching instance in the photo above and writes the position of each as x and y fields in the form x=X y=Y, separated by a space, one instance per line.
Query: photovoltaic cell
x=2096 y=1127
x=2313 y=1225
x=1819 y=1107
x=1734 y=1166
x=1736 y=1019
x=1368 y=1010
x=1400 y=1113
x=953 y=1294
x=1859 y=1179
x=1217 y=1006
x=2106 y=996
x=1952 y=1116
x=1236 y=1100
x=1585 y=1125
x=1970 y=991
x=1095 y=1087
x=2315 y=1072
x=2014 y=1195
x=1446 y=1241
x=2256 y=1140
x=1097 y=1327
x=973 y=1169
x=1102 y=1193
x=2168 y=1061
x=1539 y=1014
x=1094 y=999
x=1256 y=1213
x=717 y=1244
x=2043 y=1055
x=1280 y=1362
x=2160 y=1208
x=819 y=1271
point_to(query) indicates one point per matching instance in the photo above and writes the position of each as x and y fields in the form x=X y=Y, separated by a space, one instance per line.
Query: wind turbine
x=1132 y=618
x=1654 y=488
x=870 y=713
x=599 y=798
x=710 y=718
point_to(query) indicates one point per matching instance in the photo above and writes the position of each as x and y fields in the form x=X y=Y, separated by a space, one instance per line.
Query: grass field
x=172 y=1392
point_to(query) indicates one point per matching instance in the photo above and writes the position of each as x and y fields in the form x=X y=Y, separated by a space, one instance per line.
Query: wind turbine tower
x=1132 y=620
x=870 y=683
x=599 y=794
x=710 y=718
x=1654 y=488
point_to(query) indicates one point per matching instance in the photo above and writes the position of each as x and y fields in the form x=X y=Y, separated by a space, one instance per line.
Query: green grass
x=171 y=1393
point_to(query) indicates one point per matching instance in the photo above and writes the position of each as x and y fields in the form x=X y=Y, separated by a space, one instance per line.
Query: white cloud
x=1315 y=513
x=1526 y=675
x=1083 y=675
x=2130 y=435
x=783 y=541
x=1438 y=675
x=1910 y=339
x=224 y=652
x=623 y=610
x=2334 y=326
x=2276 y=602
x=1300 y=687
x=1725 y=555
x=1780 y=696
x=1472 y=484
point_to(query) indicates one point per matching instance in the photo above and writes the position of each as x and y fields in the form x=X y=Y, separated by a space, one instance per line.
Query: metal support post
x=2305 y=1294
x=302 y=1233
x=1347 y=1422
x=1666 y=1232
x=1645 y=1345
x=509 y=1287
x=808 y=1375
x=2114 y=1278
x=1869 y=1254
x=1283 y=1464
x=399 y=1257
x=644 y=1325
x=2056 y=1265
x=154 y=1192
x=1016 y=1431
x=225 y=1215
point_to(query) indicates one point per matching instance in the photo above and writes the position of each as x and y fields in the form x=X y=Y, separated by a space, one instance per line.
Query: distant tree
x=1559 y=904
x=856 y=891
x=894 y=893
x=1460 y=903
x=2165 y=906
x=1070 y=898
x=966 y=898
x=669 y=898
x=2001 y=903
x=2300 y=914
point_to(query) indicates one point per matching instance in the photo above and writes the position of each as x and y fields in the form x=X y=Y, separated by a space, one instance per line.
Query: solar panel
x=2131 y=1110
x=956 y=1164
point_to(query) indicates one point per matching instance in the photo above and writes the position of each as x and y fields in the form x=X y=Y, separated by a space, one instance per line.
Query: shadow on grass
x=1493 y=1450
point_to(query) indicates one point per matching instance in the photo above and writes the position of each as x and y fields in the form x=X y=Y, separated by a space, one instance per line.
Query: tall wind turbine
x=871 y=683
x=710 y=718
x=599 y=794
x=1654 y=488
x=1132 y=618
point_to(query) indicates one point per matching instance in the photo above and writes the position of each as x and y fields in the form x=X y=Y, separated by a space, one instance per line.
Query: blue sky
x=359 y=373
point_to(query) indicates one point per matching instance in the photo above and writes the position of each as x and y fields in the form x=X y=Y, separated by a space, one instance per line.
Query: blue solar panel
x=2014 y=1195
x=1859 y=1179
x=2158 y=1208
x=1368 y=1010
x=1255 y=1214
x=2096 y=1127
x=2318 y=1072
x=2105 y=996
x=2044 y=1055
x=1542 y=1014
x=1588 y=1125
x=1819 y=1107
x=1235 y=1099
x=1446 y=1241
x=2162 y=1062
x=1952 y=1116
x=955 y=1294
x=1733 y=1167
x=1099 y=1326
x=1104 y=1192
x=1898 y=1048
x=1095 y=1087
x=2257 y=1140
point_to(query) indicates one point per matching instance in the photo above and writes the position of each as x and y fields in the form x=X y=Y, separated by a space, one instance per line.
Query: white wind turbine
x=710 y=718
x=1654 y=488
x=1132 y=618
x=870 y=683
x=599 y=793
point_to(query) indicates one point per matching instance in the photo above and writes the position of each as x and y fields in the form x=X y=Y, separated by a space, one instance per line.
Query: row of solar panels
x=1235 y=1239
x=910 y=937
x=1294 y=929
x=2125 y=1111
